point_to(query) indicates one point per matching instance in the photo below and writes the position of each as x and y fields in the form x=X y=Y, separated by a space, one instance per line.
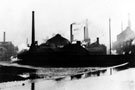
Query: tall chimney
x=4 y=37
x=86 y=35
x=71 y=32
x=71 y=35
x=33 y=30
x=121 y=26
x=97 y=40
x=129 y=22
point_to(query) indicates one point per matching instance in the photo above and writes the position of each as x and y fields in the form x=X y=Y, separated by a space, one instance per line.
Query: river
x=67 y=79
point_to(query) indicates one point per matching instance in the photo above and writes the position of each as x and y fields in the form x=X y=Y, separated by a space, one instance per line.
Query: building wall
x=127 y=34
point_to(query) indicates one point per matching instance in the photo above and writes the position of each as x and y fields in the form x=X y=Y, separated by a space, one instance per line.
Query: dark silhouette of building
x=59 y=52
x=96 y=48
x=57 y=41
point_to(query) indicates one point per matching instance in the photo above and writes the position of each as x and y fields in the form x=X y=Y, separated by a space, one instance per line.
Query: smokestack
x=71 y=32
x=97 y=40
x=86 y=35
x=71 y=35
x=129 y=22
x=84 y=32
x=121 y=26
x=4 y=37
x=33 y=30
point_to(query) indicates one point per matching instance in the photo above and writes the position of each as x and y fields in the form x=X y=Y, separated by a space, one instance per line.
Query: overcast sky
x=55 y=16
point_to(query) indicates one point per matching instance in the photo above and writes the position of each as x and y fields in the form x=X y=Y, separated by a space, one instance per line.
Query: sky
x=55 y=16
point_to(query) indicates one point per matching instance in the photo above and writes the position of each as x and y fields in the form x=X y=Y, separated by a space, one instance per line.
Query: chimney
x=71 y=32
x=33 y=30
x=129 y=21
x=4 y=37
x=71 y=35
x=86 y=35
x=97 y=40
x=121 y=26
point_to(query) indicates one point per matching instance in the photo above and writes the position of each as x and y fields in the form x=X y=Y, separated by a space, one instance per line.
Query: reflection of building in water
x=7 y=49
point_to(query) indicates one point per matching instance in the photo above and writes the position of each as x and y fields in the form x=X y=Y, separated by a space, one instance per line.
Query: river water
x=67 y=79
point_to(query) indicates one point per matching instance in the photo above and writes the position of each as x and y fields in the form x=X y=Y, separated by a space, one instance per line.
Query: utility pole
x=110 y=34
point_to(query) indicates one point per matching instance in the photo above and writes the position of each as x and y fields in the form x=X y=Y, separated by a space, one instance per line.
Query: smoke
x=22 y=47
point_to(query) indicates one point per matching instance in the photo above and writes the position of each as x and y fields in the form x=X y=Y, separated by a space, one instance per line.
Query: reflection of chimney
x=33 y=30
x=97 y=40
x=4 y=37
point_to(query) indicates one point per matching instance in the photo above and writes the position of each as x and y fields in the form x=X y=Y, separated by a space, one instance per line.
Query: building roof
x=127 y=34
x=57 y=40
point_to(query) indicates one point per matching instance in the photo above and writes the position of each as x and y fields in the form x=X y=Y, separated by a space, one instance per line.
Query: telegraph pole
x=110 y=34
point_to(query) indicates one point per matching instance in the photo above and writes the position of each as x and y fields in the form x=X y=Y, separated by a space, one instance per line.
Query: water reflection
x=57 y=76
x=87 y=77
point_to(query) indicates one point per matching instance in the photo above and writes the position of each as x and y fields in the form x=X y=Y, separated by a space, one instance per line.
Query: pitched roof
x=57 y=40
x=127 y=34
